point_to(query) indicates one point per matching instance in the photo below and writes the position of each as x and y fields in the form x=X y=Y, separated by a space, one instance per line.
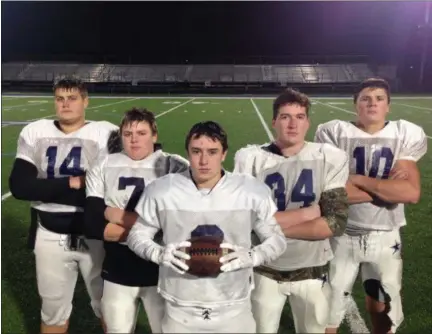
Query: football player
x=307 y=181
x=207 y=201
x=384 y=175
x=49 y=170
x=114 y=185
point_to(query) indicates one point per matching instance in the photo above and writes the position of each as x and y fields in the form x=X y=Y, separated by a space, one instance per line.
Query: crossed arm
x=317 y=222
x=403 y=185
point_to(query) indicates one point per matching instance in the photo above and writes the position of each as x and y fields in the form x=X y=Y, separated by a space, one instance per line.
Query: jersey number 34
x=301 y=192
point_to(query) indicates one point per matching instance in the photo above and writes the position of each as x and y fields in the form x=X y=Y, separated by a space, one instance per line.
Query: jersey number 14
x=71 y=165
x=301 y=192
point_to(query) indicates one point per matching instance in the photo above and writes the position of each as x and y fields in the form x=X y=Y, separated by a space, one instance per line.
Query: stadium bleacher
x=304 y=73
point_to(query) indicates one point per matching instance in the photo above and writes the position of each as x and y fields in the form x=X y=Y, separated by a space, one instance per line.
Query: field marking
x=25 y=105
x=353 y=316
x=261 y=118
x=350 y=112
x=210 y=97
x=411 y=106
x=173 y=108
x=334 y=107
x=90 y=108
x=9 y=194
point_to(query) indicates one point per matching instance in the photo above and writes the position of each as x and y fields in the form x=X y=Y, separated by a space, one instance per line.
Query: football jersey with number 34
x=296 y=182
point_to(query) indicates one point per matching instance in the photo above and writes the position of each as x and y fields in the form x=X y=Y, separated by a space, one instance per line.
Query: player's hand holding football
x=172 y=257
x=239 y=258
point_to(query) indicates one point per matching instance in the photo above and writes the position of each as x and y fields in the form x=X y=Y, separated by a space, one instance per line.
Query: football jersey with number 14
x=57 y=154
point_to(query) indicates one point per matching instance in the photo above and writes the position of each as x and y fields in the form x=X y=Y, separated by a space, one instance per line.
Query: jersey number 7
x=301 y=192
x=138 y=183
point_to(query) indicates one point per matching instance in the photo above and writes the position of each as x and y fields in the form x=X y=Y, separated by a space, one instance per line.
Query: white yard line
x=111 y=104
x=411 y=106
x=8 y=194
x=350 y=112
x=261 y=118
x=244 y=97
x=353 y=316
x=334 y=107
x=30 y=105
x=90 y=108
x=177 y=106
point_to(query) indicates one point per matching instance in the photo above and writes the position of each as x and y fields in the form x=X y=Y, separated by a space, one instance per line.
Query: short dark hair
x=71 y=83
x=139 y=115
x=209 y=129
x=291 y=96
x=373 y=83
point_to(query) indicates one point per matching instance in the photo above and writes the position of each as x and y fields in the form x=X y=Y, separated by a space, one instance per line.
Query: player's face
x=291 y=124
x=70 y=105
x=206 y=157
x=372 y=106
x=138 y=140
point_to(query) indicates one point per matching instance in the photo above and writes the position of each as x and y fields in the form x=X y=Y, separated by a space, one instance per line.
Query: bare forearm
x=115 y=233
x=357 y=195
x=316 y=229
x=391 y=191
x=290 y=218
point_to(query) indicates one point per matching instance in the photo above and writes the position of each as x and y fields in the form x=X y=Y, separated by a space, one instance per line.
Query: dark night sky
x=206 y=31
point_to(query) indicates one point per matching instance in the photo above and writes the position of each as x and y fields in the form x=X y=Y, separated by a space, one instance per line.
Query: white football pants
x=120 y=306
x=223 y=319
x=308 y=300
x=57 y=272
x=378 y=256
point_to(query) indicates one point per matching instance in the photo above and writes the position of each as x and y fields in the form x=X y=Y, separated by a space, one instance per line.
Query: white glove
x=172 y=257
x=240 y=258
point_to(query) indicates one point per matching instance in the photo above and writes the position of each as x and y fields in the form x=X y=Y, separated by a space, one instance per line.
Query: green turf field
x=246 y=121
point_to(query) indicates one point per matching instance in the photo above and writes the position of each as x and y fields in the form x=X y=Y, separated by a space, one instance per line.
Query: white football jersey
x=374 y=155
x=234 y=207
x=297 y=181
x=120 y=180
x=56 y=154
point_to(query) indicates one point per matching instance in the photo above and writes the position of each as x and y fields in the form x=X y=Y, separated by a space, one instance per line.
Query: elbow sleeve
x=334 y=209
x=94 y=218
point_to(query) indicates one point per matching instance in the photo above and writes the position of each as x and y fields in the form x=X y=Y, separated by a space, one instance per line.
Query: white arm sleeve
x=336 y=169
x=26 y=145
x=414 y=145
x=273 y=242
x=140 y=238
x=95 y=176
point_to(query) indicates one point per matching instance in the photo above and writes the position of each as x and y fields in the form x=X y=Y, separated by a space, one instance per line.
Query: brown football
x=205 y=254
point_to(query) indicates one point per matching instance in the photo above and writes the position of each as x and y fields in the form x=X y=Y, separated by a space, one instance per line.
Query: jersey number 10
x=385 y=153
x=301 y=192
